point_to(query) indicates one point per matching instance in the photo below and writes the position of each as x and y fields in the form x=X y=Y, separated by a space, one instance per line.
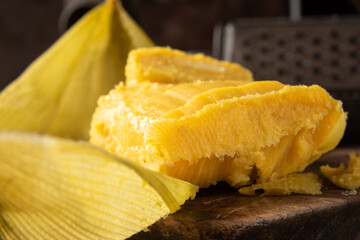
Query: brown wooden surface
x=219 y=212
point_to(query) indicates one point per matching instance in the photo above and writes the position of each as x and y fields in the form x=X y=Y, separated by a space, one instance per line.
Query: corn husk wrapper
x=57 y=93
x=53 y=188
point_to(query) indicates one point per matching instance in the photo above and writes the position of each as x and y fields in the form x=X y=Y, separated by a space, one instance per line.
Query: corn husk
x=57 y=93
x=53 y=188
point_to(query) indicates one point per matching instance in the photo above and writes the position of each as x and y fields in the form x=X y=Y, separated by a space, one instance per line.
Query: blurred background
x=294 y=41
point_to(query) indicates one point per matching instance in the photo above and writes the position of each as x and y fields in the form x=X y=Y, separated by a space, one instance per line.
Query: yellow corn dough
x=205 y=132
x=165 y=65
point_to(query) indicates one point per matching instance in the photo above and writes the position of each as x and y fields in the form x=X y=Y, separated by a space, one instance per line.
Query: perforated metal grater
x=323 y=51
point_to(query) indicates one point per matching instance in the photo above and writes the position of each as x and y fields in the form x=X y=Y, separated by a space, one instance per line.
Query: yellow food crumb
x=347 y=178
x=349 y=193
x=306 y=183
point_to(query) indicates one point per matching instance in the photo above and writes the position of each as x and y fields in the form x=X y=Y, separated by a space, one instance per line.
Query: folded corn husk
x=60 y=189
x=57 y=93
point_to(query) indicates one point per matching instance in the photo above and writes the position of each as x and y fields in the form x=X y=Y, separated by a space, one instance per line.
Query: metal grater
x=323 y=51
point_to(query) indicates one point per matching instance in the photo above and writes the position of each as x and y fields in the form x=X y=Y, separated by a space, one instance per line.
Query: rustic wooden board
x=219 y=212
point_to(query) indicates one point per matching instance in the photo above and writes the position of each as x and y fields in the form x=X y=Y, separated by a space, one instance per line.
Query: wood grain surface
x=220 y=212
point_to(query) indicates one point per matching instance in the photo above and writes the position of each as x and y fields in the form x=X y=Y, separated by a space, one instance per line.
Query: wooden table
x=219 y=212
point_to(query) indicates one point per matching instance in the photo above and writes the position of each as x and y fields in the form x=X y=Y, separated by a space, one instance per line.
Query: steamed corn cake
x=166 y=65
x=205 y=132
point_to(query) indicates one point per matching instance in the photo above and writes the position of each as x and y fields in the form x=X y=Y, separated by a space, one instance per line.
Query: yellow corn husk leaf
x=53 y=188
x=166 y=65
x=306 y=183
x=205 y=132
x=57 y=93
x=347 y=178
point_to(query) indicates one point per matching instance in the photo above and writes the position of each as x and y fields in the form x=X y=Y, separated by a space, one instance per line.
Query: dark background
x=27 y=28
